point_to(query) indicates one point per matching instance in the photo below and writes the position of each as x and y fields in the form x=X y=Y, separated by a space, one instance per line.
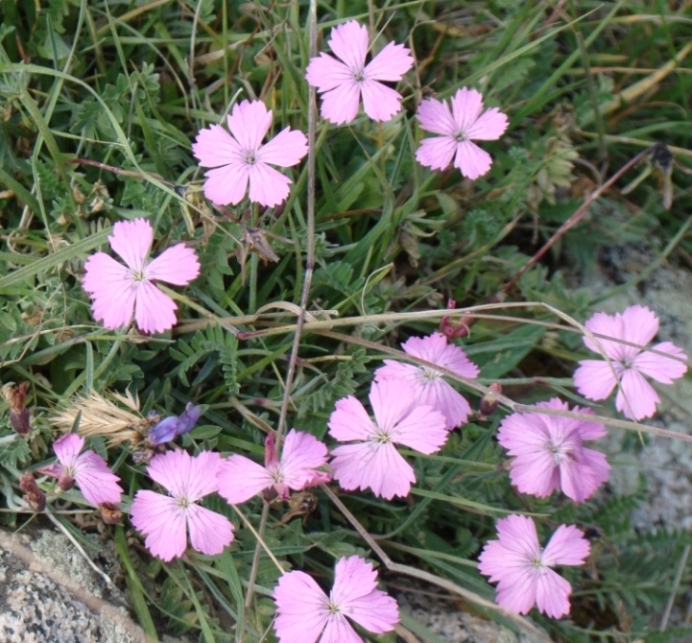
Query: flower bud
x=19 y=415
x=33 y=496
x=110 y=514
x=489 y=401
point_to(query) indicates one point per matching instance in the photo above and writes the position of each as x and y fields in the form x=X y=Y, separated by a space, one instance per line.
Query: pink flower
x=373 y=462
x=595 y=379
x=458 y=128
x=119 y=291
x=523 y=567
x=240 y=158
x=88 y=470
x=304 y=611
x=241 y=478
x=165 y=520
x=428 y=385
x=342 y=83
x=548 y=452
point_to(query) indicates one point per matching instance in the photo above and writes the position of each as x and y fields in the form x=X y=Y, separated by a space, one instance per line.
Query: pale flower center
x=183 y=502
x=138 y=276
x=382 y=436
x=332 y=607
x=460 y=137
x=536 y=563
x=275 y=472
x=250 y=157
x=430 y=374
x=359 y=75
x=560 y=452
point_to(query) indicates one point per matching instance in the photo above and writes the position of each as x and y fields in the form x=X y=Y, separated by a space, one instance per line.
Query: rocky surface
x=50 y=594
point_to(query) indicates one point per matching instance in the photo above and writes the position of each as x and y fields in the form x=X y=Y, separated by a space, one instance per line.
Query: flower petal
x=472 y=160
x=595 y=379
x=636 y=398
x=355 y=593
x=131 y=241
x=659 y=367
x=490 y=125
x=375 y=466
x=350 y=421
x=639 y=324
x=301 y=455
x=390 y=64
x=338 y=630
x=267 y=186
x=423 y=429
x=467 y=105
x=215 y=147
x=227 y=185
x=177 y=265
x=184 y=475
x=327 y=73
x=379 y=101
x=210 y=532
x=285 y=149
x=340 y=105
x=434 y=116
x=163 y=521
x=112 y=288
x=349 y=42
x=240 y=479
x=391 y=401
x=67 y=449
x=154 y=310
x=95 y=480
x=302 y=609
x=567 y=546
x=552 y=594
x=249 y=123
x=436 y=152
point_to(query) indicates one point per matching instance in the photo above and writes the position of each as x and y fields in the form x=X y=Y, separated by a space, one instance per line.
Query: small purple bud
x=188 y=419
x=164 y=431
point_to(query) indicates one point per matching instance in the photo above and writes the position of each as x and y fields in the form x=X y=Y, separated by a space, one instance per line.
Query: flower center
x=183 y=503
x=332 y=607
x=359 y=75
x=460 y=137
x=138 y=276
x=560 y=452
x=250 y=157
x=430 y=374
x=382 y=436
x=275 y=472
x=536 y=562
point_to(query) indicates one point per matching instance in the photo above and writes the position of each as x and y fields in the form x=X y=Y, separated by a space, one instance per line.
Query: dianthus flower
x=304 y=611
x=342 y=82
x=428 y=384
x=458 y=128
x=522 y=566
x=240 y=158
x=549 y=454
x=373 y=462
x=165 y=520
x=240 y=478
x=120 y=291
x=627 y=365
x=88 y=470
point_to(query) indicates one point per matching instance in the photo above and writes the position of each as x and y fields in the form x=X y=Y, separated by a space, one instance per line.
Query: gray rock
x=50 y=594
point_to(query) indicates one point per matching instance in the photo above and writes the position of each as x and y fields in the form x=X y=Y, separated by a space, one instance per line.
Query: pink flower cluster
x=239 y=158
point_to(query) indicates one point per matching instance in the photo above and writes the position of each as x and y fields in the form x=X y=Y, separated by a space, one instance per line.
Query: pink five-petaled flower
x=466 y=122
x=428 y=385
x=342 y=83
x=523 y=567
x=374 y=462
x=304 y=611
x=595 y=379
x=88 y=470
x=241 y=478
x=165 y=519
x=119 y=291
x=549 y=455
x=240 y=158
